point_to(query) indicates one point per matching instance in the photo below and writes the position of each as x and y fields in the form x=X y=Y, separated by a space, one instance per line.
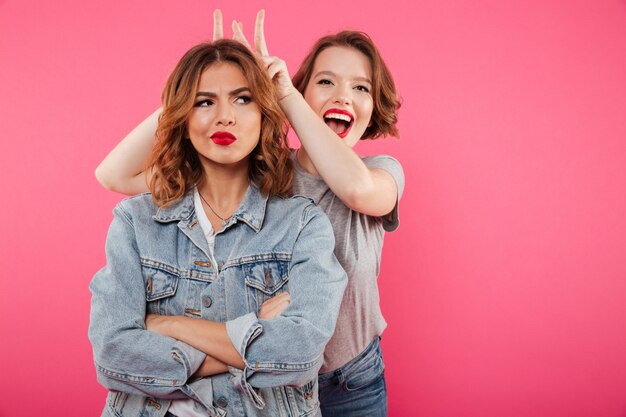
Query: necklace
x=224 y=220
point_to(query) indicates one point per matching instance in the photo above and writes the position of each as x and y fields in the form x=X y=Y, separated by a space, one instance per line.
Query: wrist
x=285 y=96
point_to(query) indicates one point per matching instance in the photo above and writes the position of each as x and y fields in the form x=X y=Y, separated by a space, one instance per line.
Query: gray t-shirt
x=358 y=247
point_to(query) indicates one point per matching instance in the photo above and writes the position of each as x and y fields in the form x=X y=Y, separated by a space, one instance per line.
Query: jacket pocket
x=265 y=280
x=116 y=401
x=122 y=404
x=161 y=286
x=298 y=401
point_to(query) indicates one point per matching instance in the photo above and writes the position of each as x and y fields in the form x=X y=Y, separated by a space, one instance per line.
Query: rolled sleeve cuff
x=242 y=331
x=189 y=357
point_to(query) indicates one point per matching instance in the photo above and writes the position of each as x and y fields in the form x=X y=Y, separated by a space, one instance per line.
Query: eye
x=362 y=88
x=325 y=81
x=243 y=100
x=204 y=103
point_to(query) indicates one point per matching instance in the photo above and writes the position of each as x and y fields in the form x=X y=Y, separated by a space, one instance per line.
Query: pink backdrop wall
x=505 y=286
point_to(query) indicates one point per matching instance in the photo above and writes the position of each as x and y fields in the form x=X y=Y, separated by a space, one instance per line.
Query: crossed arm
x=211 y=337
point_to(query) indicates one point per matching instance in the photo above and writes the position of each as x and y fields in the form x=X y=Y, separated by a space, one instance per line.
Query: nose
x=225 y=115
x=342 y=96
x=342 y=99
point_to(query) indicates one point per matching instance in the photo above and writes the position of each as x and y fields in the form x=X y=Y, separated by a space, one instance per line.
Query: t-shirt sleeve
x=391 y=221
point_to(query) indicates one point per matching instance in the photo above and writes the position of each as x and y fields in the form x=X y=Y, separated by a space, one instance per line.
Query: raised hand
x=276 y=67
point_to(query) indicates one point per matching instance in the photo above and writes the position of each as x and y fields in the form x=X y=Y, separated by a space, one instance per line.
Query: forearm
x=207 y=336
x=210 y=366
x=123 y=168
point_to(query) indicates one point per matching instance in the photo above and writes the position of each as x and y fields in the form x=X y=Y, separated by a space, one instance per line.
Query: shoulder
x=295 y=207
x=290 y=206
x=381 y=161
x=137 y=206
x=295 y=202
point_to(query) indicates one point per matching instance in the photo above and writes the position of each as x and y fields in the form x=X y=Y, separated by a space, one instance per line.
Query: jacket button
x=222 y=402
x=206 y=302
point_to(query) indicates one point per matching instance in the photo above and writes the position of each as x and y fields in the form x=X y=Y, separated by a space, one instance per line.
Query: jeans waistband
x=371 y=349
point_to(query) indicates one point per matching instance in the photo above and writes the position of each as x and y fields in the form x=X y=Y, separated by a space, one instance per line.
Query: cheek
x=255 y=119
x=367 y=109
x=197 y=122
x=252 y=122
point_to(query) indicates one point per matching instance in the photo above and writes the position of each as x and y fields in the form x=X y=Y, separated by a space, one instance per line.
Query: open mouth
x=340 y=121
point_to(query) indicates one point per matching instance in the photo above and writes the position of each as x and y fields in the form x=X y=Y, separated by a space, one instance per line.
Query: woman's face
x=339 y=91
x=225 y=123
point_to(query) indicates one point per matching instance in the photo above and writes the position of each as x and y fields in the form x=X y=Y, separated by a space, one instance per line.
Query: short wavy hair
x=174 y=162
x=386 y=100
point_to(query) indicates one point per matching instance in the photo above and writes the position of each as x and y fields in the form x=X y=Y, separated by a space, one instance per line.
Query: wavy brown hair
x=386 y=101
x=174 y=162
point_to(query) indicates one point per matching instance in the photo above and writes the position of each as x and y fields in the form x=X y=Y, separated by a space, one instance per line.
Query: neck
x=305 y=162
x=224 y=186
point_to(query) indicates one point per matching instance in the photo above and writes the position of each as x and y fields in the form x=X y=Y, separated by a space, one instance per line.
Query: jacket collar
x=251 y=210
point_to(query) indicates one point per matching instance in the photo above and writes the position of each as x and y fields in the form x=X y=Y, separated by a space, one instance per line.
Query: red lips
x=339 y=120
x=223 y=138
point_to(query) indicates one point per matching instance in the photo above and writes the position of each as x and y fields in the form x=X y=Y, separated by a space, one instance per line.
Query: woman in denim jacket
x=215 y=240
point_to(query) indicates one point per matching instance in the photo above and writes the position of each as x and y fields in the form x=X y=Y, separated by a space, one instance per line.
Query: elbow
x=294 y=368
x=119 y=368
x=364 y=197
x=103 y=177
x=358 y=195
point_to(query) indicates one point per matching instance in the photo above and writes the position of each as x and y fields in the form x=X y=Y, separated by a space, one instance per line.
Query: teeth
x=338 y=116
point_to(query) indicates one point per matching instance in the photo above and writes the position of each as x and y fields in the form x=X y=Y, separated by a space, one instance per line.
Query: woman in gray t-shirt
x=342 y=93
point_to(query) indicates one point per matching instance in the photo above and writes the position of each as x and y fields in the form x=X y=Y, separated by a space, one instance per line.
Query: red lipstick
x=334 y=118
x=223 y=138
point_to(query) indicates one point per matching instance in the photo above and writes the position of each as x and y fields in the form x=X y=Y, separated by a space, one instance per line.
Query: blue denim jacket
x=157 y=262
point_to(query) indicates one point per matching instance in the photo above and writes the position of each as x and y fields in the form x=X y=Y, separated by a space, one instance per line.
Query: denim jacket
x=157 y=262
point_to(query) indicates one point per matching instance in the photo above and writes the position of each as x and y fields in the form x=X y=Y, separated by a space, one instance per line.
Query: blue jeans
x=356 y=389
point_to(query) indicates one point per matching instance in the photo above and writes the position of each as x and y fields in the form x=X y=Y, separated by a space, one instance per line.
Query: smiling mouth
x=340 y=121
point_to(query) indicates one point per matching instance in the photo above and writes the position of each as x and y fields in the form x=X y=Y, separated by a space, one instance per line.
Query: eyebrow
x=334 y=75
x=232 y=93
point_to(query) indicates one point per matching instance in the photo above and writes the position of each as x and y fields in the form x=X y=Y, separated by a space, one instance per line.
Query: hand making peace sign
x=276 y=67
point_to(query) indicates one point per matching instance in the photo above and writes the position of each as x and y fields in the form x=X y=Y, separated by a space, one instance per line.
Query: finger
x=276 y=299
x=259 y=34
x=273 y=69
x=238 y=34
x=277 y=308
x=218 y=28
x=280 y=307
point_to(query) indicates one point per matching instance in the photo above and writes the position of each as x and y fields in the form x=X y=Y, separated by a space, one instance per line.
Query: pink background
x=505 y=286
